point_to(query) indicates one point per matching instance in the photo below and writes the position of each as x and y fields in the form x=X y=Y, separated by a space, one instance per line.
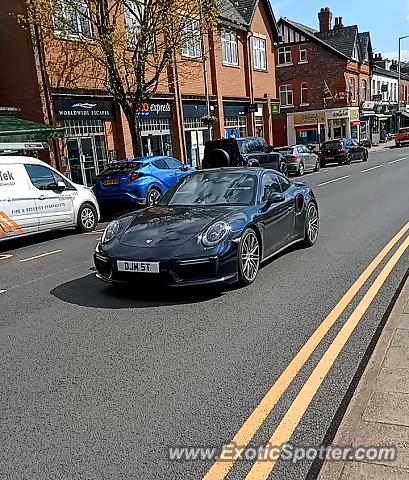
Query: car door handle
x=42 y=197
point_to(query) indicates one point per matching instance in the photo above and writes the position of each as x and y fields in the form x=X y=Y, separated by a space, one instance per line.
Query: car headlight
x=111 y=231
x=216 y=233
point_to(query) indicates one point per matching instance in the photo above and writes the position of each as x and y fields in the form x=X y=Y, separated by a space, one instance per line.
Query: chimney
x=338 y=23
x=325 y=19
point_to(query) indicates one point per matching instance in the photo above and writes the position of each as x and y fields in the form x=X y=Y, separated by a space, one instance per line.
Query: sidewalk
x=382 y=147
x=378 y=414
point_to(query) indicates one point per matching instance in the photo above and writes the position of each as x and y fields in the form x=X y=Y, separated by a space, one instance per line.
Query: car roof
x=19 y=159
x=254 y=170
x=141 y=159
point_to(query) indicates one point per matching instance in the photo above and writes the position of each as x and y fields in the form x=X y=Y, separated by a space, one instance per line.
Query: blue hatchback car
x=138 y=181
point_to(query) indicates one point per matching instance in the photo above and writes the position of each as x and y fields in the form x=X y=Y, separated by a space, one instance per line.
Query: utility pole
x=400 y=77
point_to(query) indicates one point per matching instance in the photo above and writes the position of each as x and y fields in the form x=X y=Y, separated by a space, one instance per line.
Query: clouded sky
x=385 y=19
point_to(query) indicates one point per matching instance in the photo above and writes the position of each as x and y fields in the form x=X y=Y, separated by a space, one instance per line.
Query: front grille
x=103 y=265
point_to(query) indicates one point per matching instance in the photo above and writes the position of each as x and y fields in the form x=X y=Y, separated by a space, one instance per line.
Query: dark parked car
x=214 y=226
x=242 y=152
x=300 y=159
x=342 y=151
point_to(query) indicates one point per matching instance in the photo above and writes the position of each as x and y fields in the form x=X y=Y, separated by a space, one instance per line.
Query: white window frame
x=286 y=92
x=64 y=12
x=304 y=92
x=230 y=50
x=132 y=22
x=352 y=88
x=284 y=53
x=259 y=53
x=303 y=49
x=192 y=39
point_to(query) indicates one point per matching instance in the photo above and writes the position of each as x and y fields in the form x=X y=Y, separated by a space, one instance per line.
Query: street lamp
x=399 y=76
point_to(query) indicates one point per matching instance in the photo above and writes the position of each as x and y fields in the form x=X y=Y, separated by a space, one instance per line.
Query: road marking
x=220 y=469
x=372 y=168
x=95 y=232
x=5 y=256
x=262 y=469
x=396 y=161
x=332 y=181
x=40 y=256
x=3 y=291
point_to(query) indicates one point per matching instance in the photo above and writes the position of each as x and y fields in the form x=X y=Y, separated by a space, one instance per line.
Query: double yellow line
x=262 y=468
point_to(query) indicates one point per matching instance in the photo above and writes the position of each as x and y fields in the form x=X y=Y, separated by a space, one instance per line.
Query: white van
x=34 y=198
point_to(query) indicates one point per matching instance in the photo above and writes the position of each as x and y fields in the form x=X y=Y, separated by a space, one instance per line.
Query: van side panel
x=18 y=209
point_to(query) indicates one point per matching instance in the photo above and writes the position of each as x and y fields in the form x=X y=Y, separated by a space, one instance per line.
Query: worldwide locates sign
x=275 y=108
x=68 y=107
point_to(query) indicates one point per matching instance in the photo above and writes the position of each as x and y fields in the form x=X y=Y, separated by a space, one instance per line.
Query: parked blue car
x=138 y=181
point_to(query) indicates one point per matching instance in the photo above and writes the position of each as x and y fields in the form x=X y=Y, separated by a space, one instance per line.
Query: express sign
x=157 y=108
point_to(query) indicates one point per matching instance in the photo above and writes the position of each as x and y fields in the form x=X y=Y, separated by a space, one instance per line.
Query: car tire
x=249 y=255
x=365 y=159
x=317 y=166
x=219 y=158
x=323 y=164
x=284 y=169
x=397 y=145
x=153 y=196
x=301 y=169
x=348 y=159
x=87 y=219
x=312 y=224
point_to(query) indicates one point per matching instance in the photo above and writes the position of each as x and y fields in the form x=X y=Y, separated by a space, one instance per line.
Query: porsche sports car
x=213 y=226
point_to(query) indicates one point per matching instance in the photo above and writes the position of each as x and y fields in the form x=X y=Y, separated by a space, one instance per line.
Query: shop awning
x=14 y=129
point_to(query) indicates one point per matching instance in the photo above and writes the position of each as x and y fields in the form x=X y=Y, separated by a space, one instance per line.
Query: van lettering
x=6 y=176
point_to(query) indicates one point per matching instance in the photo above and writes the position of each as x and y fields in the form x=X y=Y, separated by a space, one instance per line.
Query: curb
x=347 y=419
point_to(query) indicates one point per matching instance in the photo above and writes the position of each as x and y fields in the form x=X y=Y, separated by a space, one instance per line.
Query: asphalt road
x=97 y=383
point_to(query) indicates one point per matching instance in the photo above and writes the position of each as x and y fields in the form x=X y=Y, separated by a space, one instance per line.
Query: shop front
x=343 y=123
x=309 y=127
x=197 y=132
x=235 y=120
x=155 y=125
x=84 y=120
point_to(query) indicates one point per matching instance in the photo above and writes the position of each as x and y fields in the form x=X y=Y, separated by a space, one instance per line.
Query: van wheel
x=87 y=218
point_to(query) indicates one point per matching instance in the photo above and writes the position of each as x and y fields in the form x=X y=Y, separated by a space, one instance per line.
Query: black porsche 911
x=213 y=226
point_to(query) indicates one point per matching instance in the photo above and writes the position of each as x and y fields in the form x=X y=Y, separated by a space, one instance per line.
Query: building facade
x=236 y=61
x=323 y=77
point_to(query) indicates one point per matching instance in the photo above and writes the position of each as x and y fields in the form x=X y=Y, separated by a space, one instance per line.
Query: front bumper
x=174 y=272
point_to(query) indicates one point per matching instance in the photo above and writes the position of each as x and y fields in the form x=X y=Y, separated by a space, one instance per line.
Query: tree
x=131 y=43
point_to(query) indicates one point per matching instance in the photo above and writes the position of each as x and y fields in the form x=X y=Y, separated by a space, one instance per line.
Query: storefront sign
x=234 y=109
x=377 y=98
x=307 y=118
x=354 y=115
x=194 y=109
x=275 y=109
x=252 y=108
x=73 y=108
x=157 y=109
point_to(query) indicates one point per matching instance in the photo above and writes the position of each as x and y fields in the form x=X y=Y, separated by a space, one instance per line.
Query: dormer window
x=355 y=53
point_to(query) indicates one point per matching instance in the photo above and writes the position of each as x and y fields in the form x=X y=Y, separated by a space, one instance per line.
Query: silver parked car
x=300 y=159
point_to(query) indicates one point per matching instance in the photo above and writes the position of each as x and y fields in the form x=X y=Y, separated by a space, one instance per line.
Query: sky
x=387 y=20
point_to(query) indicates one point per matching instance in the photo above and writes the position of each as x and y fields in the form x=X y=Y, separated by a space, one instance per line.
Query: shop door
x=157 y=145
x=87 y=157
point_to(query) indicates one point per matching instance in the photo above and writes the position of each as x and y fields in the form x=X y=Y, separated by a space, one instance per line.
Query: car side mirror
x=184 y=168
x=273 y=197
x=61 y=186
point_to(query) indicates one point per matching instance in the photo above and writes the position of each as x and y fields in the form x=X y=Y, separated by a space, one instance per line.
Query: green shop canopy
x=14 y=129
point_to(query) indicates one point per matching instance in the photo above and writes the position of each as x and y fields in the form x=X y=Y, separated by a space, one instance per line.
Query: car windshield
x=213 y=189
x=121 y=168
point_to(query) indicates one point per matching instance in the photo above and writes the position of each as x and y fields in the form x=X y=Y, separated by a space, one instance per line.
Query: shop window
x=191 y=39
x=284 y=56
x=304 y=93
x=133 y=18
x=72 y=19
x=286 y=95
x=229 y=47
x=303 y=54
x=259 y=53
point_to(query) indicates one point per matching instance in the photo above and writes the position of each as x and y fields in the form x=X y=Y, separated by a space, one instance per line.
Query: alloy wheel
x=154 y=196
x=87 y=218
x=312 y=223
x=250 y=256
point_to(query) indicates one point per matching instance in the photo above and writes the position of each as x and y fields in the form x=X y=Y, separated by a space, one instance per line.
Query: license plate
x=111 y=182
x=329 y=158
x=137 y=267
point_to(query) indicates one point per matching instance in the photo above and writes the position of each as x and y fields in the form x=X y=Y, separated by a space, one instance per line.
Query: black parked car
x=242 y=152
x=342 y=151
x=214 y=226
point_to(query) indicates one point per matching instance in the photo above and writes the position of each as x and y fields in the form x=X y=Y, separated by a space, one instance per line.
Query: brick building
x=41 y=79
x=323 y=76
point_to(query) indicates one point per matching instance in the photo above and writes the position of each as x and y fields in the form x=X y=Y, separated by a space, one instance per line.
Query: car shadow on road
x=16 y=243
x=88 y=291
